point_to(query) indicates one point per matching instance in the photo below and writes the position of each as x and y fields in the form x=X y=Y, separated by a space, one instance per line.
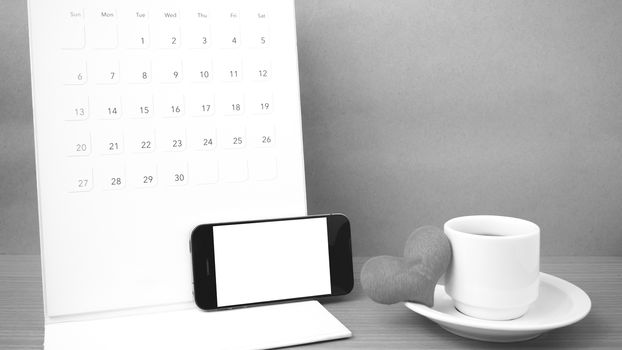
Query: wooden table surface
x=373 y=326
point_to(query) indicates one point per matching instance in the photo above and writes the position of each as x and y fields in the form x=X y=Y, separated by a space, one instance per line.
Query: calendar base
x=250 y=328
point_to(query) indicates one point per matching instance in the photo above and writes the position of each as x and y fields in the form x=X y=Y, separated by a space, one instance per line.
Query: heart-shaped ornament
x=390 y=279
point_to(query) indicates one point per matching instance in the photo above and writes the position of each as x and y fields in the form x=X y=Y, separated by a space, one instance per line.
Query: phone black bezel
x=203 y=266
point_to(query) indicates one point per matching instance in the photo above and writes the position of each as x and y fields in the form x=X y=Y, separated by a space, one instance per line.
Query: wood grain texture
x=373 y=326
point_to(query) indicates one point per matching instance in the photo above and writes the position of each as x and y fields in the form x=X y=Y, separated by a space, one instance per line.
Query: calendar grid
x=152 y=118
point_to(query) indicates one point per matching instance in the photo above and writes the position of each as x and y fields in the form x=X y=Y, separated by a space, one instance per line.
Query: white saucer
x=560 y=303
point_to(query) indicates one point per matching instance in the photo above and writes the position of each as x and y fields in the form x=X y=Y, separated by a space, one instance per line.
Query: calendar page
x=152 y=117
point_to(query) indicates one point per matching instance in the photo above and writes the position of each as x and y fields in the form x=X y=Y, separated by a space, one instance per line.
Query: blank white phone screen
x=268 y=261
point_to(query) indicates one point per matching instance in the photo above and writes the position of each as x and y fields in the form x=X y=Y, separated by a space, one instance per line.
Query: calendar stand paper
x=152 y=117
x=261 y=327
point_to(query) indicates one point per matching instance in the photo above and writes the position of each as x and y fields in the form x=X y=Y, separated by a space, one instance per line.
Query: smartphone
x=246 y=263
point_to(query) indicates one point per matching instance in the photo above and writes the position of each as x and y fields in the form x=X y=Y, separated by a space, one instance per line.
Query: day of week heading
x=170 y=14
x=201 y=15
x=75 y=14
x=141 y=14
x=106 y=14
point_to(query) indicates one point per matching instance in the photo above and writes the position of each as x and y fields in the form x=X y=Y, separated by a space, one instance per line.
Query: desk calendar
x=152 y=117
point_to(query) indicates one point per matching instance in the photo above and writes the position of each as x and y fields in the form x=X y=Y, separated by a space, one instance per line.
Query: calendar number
x=142 y=175
x=201 y=68
x=145 y=76
x=201 y=103
x=80 y=146
x=170 y=105
x=167 y=36
x=75 y=107
x=265 y=106
x=263 y=73
x=112 y=111
x=143 y=142
x=204 y=139
x=110 y=143
x=176 y=174
x=232 y=70
x=81 y=183
x=176 y=140
x=168 y=69
x=234 y=104
x=237 y=140
x=136 y=34
x=104 y=71
x=199 y=35
x=81 y=180
x=264 y=136
x=114 y=175
x=144 y=109
x=74 y=72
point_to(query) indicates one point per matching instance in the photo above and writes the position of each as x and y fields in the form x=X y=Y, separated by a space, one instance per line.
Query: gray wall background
x=418 y=111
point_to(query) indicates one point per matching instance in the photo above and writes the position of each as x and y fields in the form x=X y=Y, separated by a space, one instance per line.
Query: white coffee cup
x=494 y=273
